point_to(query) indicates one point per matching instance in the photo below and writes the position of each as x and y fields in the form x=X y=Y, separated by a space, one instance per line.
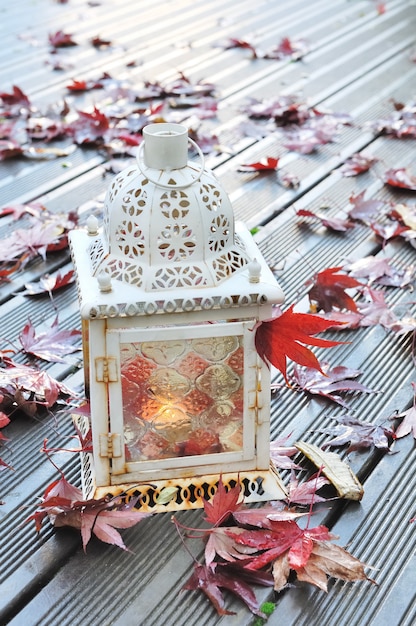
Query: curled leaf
x=337 y=472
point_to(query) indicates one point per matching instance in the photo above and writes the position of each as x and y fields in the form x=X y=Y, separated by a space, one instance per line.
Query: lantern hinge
x=106 y=369
x=110 y=445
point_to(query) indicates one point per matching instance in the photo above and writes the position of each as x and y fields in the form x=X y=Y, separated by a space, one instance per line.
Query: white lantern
x=170 y=292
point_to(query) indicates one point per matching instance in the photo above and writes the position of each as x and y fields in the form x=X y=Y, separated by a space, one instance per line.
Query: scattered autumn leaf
x=223 y=504
x=327 y=559
x=305 y=493
x=63 y=504
x=288 y=47
x=400 y=177
x=212 y=579
x=60 y=39
x=282 y=337
x=375 y=310
x=358 y=434
x=27 y=388
x=408 y=425
x=52 y=345
x=371 y=267
x=265 y=164
x=332 y=223
x=235 y=42
x=328 y=382
x=49 y=283
x=358 y=163
x=329 y=290
x=364 y=210
x=280 y=454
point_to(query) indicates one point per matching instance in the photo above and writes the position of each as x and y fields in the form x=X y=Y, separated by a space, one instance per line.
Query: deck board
x=359 y=63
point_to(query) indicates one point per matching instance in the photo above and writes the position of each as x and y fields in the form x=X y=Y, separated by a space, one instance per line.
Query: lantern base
x=162 y=496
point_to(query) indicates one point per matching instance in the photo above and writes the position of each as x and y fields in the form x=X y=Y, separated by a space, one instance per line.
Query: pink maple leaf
x=52 y=345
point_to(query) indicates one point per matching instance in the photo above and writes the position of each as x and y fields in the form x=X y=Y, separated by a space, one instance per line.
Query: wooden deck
x=359 y=63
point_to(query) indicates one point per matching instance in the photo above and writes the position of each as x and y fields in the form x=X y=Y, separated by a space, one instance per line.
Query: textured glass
x=182 y=397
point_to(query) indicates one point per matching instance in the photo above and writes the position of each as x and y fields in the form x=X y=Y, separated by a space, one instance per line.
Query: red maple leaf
x=63 y=504
x=89 y=127
x=293 y=48
x=100 y=42
x=49 y=283
x=327 y=382
x=234 y=42
x=328 y=290
x=9 y=149
x=401 y=178
x=223 y=504
x=333 y=223
x=282 y=337
x=272 y=542
x=266 y=164
x=60 y=39
x=388 y=231
x=17 y=97
x=305 y=493
x=357 y=164
x=52 y=345
x=27 y=388
x=212 y=579
x=25 y=244
x=18 y=210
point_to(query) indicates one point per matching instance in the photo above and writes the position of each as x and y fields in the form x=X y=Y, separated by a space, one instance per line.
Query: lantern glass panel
x=184 y=392
x=182 y=397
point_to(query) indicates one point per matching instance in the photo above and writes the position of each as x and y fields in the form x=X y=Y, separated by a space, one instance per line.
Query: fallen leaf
x=403 y=326
x=49 y=283
x=375 y=310
x=222 y=543
x=400 y=177
x=52 y=345
x=264 y=165
x=28 y=388
x=60 y=39
x=280 y=454
x=234 y=42
x=408 y=425
x=211 y=579
x=329 y=381
x=332 y=223
x=370 y=267
x=328 y=290
x=63 y=504
x=328 y=559
x=359 y=435
x=364 y=210
x=223 y=503
x=282 y=337
x=288 y=47
x=305 y=493
x=25 y=244
x=336 y=471
x=357 y=163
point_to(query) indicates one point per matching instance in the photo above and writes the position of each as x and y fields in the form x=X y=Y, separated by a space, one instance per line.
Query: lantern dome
x=168 y=224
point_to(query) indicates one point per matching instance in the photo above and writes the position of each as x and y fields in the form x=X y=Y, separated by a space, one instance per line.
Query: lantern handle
x=143 y=168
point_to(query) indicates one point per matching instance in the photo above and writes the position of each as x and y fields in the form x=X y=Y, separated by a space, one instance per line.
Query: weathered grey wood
x=359 y=63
